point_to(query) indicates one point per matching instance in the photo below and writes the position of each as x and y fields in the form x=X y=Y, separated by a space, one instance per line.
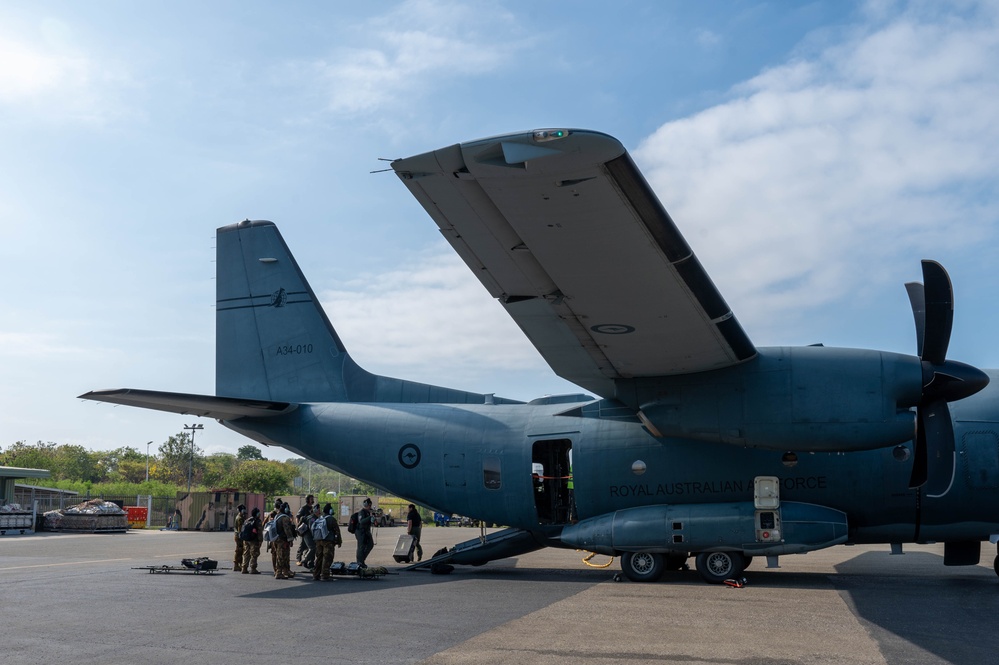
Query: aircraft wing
x=563 y=229
x=219 y=408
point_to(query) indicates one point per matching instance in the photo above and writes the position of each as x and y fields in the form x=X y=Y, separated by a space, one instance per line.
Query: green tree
x=218 y=468
x=76 y=463
x=263 y=476
x=110 y=461
x=177 y=456
x=131 y=471
x=248 y=452
x=37 y=456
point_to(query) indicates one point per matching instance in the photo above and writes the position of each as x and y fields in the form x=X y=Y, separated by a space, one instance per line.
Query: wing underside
x=564 y=231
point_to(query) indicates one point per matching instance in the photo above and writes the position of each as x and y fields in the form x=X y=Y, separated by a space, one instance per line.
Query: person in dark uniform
x=303 y=516
x=414 y=527
x=365 y=541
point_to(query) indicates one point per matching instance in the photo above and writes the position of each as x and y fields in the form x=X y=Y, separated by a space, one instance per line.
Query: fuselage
x=509 y=464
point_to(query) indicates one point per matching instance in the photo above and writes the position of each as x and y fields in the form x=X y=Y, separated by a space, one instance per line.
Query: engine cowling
x=806 y=399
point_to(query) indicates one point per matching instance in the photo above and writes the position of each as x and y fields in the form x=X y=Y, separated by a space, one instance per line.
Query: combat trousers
x=324 y=559
x=417 y=547
x=365 y=543
x=251 y=550
x=283 y=567
x=237 y=559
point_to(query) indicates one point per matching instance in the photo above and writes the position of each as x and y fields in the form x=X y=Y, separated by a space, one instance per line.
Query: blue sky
x=812 y=154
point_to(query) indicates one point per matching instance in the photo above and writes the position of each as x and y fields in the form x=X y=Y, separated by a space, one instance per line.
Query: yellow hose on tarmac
x=586 y=560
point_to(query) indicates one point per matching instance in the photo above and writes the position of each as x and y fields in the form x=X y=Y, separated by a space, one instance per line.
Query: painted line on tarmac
x=65 y=563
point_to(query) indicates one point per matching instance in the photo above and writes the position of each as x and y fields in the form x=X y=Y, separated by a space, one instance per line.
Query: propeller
x=944 y=381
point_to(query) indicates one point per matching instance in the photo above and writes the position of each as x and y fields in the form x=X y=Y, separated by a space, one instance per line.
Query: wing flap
x=208 y=406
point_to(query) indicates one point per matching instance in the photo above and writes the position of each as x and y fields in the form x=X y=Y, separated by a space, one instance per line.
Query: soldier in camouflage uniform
x=278 y=504
x=325 y=549
x=237 y=558
x=251 y=548
x=286 y=536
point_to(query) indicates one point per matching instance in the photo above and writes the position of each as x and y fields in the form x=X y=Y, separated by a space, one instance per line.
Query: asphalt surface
x=75 y=599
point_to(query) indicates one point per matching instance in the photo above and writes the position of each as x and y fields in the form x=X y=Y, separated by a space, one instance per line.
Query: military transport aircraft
x=699 y=443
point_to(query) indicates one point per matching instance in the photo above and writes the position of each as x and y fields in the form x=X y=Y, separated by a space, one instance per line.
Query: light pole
x=190 y=464
x=147 y=460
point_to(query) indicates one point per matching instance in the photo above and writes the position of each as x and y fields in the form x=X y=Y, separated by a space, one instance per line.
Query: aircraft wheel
x=675 y=561
x=716 y=567
x=995 y=564
x=643 y=566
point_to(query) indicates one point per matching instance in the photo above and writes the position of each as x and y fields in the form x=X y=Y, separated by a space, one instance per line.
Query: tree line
x=176 y=459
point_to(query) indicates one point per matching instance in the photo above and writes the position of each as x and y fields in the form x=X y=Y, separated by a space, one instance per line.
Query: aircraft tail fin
x=275 y=343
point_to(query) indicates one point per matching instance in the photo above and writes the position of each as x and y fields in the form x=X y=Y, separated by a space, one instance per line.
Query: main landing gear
x=650 y=566
x=716 y=567
x=713 y=567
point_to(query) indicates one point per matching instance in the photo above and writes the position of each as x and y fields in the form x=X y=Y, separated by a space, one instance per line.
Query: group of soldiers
x=317 y=542
x=319 y=535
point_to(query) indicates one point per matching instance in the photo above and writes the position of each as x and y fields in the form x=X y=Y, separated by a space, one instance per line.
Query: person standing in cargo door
x=365 y=541
x=237 y=559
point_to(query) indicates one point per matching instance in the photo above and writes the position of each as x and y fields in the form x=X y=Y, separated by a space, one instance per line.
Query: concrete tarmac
x=75 y=599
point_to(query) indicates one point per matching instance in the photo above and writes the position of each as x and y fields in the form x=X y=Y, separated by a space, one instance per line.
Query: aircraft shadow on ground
x=303 y=586
x=917 y=605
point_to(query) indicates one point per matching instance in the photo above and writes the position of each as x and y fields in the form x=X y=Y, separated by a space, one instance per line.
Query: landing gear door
x=766 y=499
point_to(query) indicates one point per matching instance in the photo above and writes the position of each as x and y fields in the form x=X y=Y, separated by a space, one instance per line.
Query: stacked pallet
x=16 y=520
x=92 y=516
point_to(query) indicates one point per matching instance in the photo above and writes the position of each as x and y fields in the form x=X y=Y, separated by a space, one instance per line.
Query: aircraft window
x=678 y=538
x=678 y=526
x=491 y=473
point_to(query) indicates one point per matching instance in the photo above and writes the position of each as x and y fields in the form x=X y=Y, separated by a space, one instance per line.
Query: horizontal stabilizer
x=208 y=406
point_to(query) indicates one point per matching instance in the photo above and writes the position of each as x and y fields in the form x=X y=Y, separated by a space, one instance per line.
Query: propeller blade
x=932 y=302
x=918 y=476
x=918 y=302
x=939 y=449
x=938 y=296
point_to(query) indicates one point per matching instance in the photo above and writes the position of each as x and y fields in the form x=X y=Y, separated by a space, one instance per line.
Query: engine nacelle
x=794 y=398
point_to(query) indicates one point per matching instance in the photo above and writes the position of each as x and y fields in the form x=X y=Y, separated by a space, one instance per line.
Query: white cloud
x=27 y=72
x=50 y=78
x=427 y=319
x=828 y=172
x=410 y=50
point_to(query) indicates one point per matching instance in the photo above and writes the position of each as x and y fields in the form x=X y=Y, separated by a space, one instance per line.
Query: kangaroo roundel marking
x=409 y=455
x=613 y=329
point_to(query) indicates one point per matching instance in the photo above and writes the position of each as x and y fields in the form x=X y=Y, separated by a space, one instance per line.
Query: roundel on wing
x=613 y=329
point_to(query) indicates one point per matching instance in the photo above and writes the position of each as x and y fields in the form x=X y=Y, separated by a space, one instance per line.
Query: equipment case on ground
x=404 y=549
